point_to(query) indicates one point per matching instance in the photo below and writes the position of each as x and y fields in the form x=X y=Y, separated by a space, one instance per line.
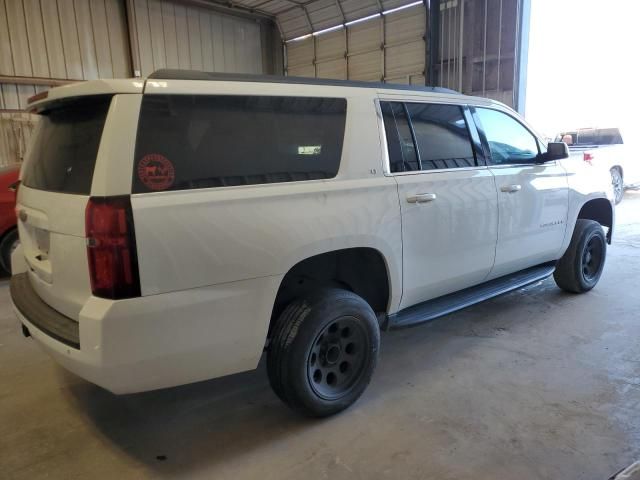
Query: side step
x=423 y=312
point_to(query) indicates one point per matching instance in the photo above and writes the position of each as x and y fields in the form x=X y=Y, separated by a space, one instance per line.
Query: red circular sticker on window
x=156 y=172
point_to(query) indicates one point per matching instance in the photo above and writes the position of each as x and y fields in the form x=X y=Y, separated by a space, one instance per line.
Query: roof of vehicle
x=140 y=85
x=173 y=74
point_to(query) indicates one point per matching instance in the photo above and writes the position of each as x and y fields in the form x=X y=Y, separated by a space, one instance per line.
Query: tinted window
x=442 y=136
x=63 y=153
x=509 y=140
x=609 y=136
x=393 y=140
x=187 y=141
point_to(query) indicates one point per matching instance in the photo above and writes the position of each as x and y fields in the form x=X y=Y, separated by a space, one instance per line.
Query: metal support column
x=432 y=39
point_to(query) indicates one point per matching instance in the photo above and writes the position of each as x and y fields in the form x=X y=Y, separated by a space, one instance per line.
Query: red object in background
x=588 y=157
x=8 y=177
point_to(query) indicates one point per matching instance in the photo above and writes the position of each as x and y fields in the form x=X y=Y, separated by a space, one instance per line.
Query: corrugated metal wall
x=173 y=35
x=389 y=48
x=60 y=39
x=474 y=43
x=66 y=40
x=478 y=48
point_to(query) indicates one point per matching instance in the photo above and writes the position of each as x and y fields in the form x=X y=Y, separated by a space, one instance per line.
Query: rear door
x=56 y=184
x=532 y=198
x=447 y=198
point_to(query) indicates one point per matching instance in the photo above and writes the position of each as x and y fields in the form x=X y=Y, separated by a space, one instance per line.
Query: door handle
x=511 y=188
x=422 y=198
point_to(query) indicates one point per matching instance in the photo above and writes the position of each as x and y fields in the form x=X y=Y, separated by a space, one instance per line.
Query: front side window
x=197 y=141
x=442 y=136
x=509 y=141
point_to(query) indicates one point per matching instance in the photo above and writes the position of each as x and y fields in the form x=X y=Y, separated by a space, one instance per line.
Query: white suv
x=173 y=229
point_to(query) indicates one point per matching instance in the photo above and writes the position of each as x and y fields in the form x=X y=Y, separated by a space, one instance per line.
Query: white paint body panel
x=211 y=260
x=533 y=219
x=448 y=243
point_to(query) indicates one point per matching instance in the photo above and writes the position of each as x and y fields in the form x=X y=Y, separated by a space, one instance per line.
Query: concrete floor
x=535 y=384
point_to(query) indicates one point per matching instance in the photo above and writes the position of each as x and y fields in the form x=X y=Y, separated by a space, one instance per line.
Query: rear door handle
x=511 y=188
x=421 y=198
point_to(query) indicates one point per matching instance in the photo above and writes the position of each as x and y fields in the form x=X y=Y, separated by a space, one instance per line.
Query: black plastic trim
x=174 y=74
x=446 y=304
x=41 y=315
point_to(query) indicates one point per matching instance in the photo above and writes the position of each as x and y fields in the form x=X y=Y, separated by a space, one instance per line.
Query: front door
x=448 y=199
x=532 y=197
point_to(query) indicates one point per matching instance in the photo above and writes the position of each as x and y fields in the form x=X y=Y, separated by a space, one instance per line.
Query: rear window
x=189 y=141
x=63 y=152
x=591 y=137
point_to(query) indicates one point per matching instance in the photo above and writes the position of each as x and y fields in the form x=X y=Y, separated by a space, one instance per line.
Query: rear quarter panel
x=194 y=238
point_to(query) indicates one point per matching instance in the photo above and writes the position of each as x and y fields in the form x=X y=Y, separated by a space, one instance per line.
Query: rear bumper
x=41 y=315
x=158 y=341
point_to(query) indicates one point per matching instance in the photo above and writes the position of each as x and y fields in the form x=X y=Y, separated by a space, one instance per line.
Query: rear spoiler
x=39 y=101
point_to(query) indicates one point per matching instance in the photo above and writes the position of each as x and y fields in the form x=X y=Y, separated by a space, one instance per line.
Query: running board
x=423 y=312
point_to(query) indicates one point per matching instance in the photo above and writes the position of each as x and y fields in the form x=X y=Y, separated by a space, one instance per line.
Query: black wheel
x=323 y=351
x=618 y=184
x=579 y=270
x=7 y=246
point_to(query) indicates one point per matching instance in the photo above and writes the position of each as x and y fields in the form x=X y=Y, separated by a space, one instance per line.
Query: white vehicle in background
x=605 y=148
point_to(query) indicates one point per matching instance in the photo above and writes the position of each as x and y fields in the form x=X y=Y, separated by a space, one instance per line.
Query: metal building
x=474 y=46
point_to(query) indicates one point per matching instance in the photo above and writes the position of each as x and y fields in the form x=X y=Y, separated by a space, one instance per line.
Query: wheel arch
x=600 y=210
x=363 y=270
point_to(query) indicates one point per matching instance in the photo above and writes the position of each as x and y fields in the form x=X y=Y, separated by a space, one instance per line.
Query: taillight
x=588 y=157
x=111 y=248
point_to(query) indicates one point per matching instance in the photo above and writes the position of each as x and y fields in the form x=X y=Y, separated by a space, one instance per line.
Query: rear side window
x=425 y=136
x=442 y=136
x=63 y=153
x=188 y=141
x=403 y=156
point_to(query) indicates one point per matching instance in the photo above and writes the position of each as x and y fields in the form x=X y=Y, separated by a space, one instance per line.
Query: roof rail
x=174 y=74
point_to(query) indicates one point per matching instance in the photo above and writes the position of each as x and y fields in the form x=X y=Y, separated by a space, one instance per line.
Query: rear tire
x=7 y=246
x=580 y=267
x=618 y=184
x=323 y=351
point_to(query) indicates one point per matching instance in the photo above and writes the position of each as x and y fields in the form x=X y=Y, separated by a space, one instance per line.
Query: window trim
x=471 y=130
x=485 y=141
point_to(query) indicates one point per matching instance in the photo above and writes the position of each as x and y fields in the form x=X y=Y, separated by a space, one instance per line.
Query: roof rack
x=174 y=74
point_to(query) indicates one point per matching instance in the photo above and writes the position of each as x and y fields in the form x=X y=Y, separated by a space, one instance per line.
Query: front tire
x=323 y=351
x=580 y=267
x=618 y=184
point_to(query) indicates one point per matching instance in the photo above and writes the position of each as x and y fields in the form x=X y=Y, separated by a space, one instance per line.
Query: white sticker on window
x=309 y=149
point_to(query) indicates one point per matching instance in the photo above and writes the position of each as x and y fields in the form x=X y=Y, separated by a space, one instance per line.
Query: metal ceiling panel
x=405 y=59
x=302 y=17
x=331 y=45
x=294 y=23
x=333 y=69
x=405 y=25
x=366 y=66
x=302 y=71
x=365 y=36
x=300 y=53
x=324 y=14
x=356 y=9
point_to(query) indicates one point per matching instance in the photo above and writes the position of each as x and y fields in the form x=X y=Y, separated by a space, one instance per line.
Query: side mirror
x=555 y=151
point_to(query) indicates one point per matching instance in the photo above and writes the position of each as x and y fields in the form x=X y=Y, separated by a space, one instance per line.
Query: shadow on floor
x=185 y=428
